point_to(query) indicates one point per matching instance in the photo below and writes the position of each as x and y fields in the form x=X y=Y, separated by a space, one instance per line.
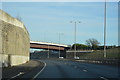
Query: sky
x=46 y=20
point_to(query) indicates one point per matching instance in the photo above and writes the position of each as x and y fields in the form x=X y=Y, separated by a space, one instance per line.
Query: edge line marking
x=40 y=71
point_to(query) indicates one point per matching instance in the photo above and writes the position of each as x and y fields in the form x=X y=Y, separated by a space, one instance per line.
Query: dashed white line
x=17 y=75
x=103 y=78
x=85 y=70
x=40 y=71
x=75 y=66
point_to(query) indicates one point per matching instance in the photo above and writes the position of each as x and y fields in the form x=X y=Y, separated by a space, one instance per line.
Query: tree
x=93 y=43
x=80 y=46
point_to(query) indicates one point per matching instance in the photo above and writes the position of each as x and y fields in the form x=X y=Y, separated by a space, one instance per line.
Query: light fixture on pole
x=75 y=37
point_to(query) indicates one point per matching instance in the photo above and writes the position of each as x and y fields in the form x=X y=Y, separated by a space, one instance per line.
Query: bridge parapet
x=46 y=43
x=51 y=46
x=46 y=47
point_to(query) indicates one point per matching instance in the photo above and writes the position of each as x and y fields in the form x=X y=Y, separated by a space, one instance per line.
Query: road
x=73 y=69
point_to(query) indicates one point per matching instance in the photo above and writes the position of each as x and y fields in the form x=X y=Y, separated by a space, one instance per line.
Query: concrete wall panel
x=20 y=59
x=14 y=40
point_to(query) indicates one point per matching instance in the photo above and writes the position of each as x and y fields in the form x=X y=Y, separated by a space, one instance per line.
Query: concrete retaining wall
x=0 y=45
x=14 y=40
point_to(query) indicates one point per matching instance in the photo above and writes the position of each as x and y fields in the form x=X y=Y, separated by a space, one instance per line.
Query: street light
x=105 y=31
x=48 y=45
x=44 y=36
x=59 y=43
x=75 y=37
x=48 y=50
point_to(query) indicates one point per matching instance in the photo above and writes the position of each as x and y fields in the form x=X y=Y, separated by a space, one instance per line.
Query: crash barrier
x=101 y=61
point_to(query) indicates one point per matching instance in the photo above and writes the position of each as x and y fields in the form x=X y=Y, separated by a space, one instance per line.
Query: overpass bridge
x=50 y=46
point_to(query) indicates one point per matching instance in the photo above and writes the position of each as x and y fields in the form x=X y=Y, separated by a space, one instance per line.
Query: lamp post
x=47 y=45
x=44 y=36
x=59 y=42
x=75 y=37
x=105 y=31
x=48 y=51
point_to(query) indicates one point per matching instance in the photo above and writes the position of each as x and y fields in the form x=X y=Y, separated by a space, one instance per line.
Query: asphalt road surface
x=73 y=69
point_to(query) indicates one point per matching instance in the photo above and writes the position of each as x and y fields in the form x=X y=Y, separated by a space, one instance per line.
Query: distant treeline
x=86 y=47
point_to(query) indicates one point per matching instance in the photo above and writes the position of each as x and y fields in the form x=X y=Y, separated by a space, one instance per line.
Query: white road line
x=17 y=75
x=40 y=71
x=75 y=66
x=103 y=78
x=85 y=70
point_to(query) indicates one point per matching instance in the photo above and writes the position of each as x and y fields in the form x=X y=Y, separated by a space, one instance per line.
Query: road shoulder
x=27 y=70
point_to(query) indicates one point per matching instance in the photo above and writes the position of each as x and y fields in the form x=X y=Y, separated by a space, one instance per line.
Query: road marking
x=75 y=66
x=103 y=78
x=17 y=75
x=85 y=70
x=40 y=71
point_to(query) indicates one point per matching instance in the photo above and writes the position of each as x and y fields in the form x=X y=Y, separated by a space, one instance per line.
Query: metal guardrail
x=101 y=61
